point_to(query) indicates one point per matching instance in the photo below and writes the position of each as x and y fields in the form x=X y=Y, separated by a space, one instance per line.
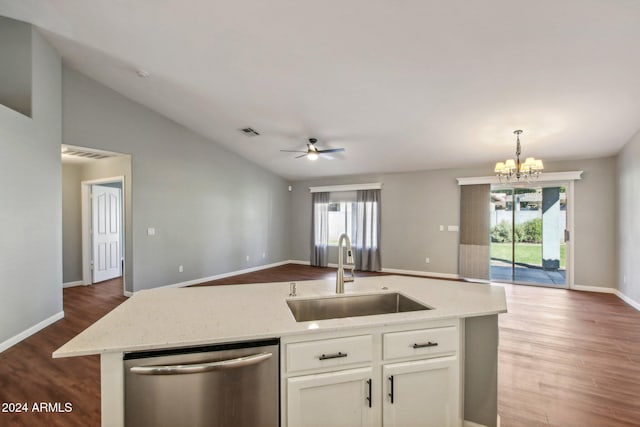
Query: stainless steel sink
x=352 y=305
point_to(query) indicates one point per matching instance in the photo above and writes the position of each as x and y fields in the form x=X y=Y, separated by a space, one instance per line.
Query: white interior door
x=106 y=223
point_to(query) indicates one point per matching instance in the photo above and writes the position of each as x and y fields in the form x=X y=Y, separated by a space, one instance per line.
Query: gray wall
x=72 y=176
x=594 y=237
x=415 y=204
x=629 y=219
x=30 y=210
x=210 y=207
x=71 y=223
x=15 y=67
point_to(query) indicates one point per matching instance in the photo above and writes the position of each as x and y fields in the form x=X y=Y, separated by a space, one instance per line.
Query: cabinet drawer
x=329 y=353
x=420 y=342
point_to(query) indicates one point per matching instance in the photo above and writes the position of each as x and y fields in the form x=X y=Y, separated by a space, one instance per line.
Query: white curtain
x=319 y=229
x=366 y=226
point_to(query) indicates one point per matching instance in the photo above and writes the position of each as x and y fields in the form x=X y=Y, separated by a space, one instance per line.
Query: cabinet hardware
x=332 y=356
x=391 y=388
x=427 y=344
x=369 y=395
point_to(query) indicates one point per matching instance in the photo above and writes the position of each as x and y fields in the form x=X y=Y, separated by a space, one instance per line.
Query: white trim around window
x=348 y=187
x=545 y=177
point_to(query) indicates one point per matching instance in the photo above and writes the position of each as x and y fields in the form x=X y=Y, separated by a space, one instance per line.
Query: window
x=340 y=220
x=356 y=213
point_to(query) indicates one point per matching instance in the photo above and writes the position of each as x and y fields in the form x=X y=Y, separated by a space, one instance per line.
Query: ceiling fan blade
x=293 y=151
x=327 y=156
x=303 y=155
x=332 y=150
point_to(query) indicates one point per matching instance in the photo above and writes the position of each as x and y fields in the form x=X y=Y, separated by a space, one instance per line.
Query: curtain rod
x=348 y=187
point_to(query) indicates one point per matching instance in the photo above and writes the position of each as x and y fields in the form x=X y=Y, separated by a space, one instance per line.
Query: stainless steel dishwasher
x=227 y=385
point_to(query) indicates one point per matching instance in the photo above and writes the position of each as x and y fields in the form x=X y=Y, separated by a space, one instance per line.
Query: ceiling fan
x=312 y=152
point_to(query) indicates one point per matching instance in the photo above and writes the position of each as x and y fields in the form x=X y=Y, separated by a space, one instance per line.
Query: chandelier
x=514 y=170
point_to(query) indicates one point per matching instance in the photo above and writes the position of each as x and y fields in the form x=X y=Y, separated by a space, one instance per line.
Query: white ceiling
x=401 y=84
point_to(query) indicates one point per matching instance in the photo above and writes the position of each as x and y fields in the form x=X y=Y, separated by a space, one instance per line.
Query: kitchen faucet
x=340 y=279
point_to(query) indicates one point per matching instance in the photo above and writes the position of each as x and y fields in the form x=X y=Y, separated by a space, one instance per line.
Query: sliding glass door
x=528 y=230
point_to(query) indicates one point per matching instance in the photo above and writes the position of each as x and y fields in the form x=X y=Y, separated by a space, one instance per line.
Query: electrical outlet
x=427 y=260
x=442 y=228
x=264 y=255
x=247 y=257
x=180 y=269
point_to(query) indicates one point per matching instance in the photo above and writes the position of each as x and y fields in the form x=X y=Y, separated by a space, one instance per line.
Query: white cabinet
x=333 y=399
x=338 y=380
x=421 y=393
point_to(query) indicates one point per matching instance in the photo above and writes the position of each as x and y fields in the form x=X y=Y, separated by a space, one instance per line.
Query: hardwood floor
x=29 y=375
x=566 y=358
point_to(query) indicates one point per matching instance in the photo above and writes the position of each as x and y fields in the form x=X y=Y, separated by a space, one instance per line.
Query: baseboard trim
x=472 y=424
x=421 y=273
x=127 y=294
x=395 y=271
x=600 y=289
x=72 y=284
x=604 y=290
x=628 y=300
x=32 y=330
x=217 y=276
x=299 y=262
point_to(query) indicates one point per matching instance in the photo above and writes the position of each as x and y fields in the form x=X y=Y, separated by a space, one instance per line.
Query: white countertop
x=177 y=317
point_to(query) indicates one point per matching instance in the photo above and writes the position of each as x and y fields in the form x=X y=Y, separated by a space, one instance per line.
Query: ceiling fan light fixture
x=312 y=156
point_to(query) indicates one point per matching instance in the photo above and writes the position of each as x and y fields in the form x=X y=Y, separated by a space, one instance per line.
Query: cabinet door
x=422 y=393
x=334 y=399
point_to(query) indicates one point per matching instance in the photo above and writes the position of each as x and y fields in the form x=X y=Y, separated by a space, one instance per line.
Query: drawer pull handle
x=332 y=356
x=427 y=344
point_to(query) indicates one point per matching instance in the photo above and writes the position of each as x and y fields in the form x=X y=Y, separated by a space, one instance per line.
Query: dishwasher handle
x=201 y=367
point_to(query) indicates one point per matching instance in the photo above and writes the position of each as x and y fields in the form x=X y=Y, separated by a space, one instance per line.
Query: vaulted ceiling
x=401 y=85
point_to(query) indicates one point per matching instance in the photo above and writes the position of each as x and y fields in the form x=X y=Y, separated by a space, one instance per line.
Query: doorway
x=84 y=169
x=529 y=234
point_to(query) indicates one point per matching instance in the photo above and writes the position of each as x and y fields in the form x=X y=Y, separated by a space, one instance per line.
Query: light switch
x=151 y=231
x=453 y=228
x=442 y=228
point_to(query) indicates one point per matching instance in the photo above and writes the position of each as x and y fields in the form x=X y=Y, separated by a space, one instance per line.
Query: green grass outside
x=527 y=253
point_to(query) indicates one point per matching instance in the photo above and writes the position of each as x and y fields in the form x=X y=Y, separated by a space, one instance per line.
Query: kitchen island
x=186 y=317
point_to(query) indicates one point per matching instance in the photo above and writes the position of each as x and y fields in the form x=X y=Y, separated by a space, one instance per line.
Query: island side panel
x=481 y=370
x=112 y=389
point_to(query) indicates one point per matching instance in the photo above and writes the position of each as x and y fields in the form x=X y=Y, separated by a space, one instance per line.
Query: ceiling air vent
x=86 y=154
x=249 y=131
